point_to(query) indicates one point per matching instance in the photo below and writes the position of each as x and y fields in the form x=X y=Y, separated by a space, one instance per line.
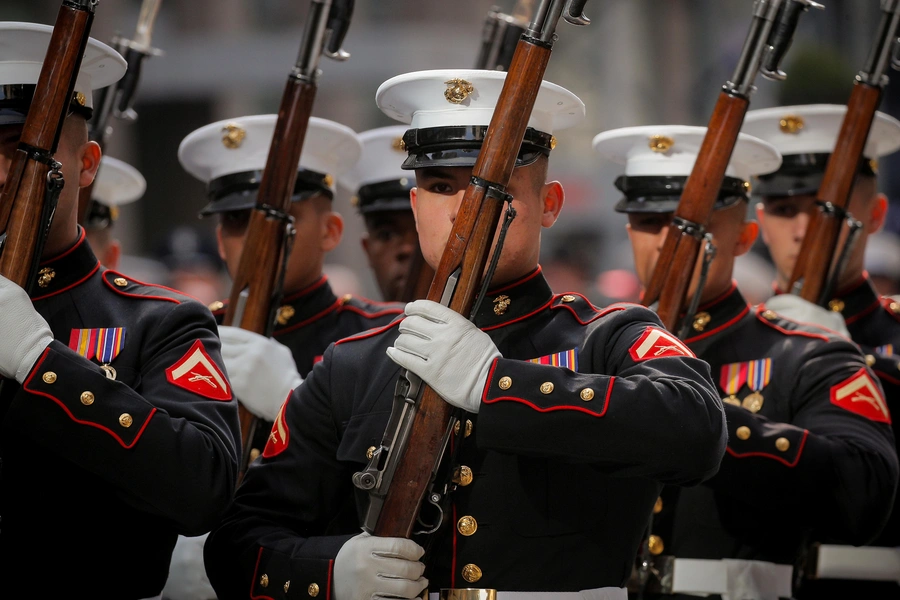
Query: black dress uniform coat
x=309 y=320
x=100 y=475
x=814 y=454
x=563 y=464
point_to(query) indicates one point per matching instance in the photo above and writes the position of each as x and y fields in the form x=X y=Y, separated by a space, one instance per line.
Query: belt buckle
x=468 y=594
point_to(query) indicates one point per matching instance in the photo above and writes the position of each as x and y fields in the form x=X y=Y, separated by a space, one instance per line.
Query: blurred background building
x=640 y=62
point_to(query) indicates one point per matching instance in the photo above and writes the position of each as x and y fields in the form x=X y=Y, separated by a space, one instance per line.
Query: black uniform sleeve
x=275 y=532
x=641 y=404
x=832 y=467
x=169 y=451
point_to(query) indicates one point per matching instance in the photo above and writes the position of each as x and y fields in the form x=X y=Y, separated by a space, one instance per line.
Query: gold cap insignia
x=45 y=276
x=791 y=124
x=458 y=90
x=233 y=136
x=354 y=201
x=328 y=180
x=399 y=145
x=661 y=143
x=501 y=303
x=873 y=164
x=80 y=98
x=553 y=142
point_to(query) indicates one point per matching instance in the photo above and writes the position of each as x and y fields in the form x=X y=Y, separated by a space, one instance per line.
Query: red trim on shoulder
x=312 y=287
x=600 y=312
x=885 y=377
x=80 y=241
x=65 y=408
x=762 y=307
x=720 y=297
x=153 y=285
x=368 y=334
x=253 y=581
x=69 y=287
x=716 y=330
x=865 y=311
x=333 y=307
x=330 y=578
x=372 y=315
x=886 y=302
x=515 y=283
x=772 y=456
x=522 y=318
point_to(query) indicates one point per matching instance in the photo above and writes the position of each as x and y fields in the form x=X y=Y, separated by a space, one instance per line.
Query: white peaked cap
x=381 y=158
x=117 y=183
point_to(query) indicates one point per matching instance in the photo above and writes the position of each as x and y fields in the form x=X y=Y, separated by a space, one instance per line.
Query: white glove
x=447 y=351
x=262 y=371
x=797 y=309
x=187 y=575
x=369 y=567
x=24 y=333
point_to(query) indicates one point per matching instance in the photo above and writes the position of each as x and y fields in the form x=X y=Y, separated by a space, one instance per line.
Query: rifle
x=256 y=289
x=34 y=181
x=810 y=277
x=770 y=35
x=117 y=99
x=501 y=36
x=403 y=467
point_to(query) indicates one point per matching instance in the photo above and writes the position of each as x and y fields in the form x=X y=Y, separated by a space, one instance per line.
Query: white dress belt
x=732 y=578
x=867 y=563
x=606 y=593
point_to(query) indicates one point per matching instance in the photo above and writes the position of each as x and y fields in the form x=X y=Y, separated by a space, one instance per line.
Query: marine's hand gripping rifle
x=34 y=180
x=256 y=290
x=817 y=253
x=403 y=467
x=770 y=35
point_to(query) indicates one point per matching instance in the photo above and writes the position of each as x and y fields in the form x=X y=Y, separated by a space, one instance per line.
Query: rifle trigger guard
x=695 y=230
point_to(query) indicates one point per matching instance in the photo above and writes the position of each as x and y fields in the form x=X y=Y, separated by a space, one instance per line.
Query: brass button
x=701 y=321
x=125 y=420
x=254 y=454
x=217 y=305
x=783 y=444
x=463 y=475
x=467 y=525
x=505 y=383
x=836 y=305
x=587 y=394
x=870 y=359
x=370 y=452
x=312 y=590
x=655 y=545
x=546 y=387
x=287 y=586
x=264 y=580
x=468 y=428
x=49 y=377
x=346 y=298
x=769 y=315
x=471 y=573
x=120 y=281
x=568 y=298
x=743 y=432
x=87 y=398
x=657 y=506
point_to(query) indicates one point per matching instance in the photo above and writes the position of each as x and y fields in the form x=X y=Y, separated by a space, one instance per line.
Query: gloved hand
x=24 y=334
x=797 y=309
x=187 y=575
x=369 y=567
x=447 y=351
x=262 y=371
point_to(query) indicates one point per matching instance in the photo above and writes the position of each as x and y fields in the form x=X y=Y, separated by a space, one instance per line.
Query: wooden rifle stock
x=678 y=258
x=814 y=262
x=22 y=204
x=468 y=246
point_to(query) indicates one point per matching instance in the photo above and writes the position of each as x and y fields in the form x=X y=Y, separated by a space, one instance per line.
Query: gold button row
x=312 y=590
x=467 y=525
x=743 y=433
x=463 y=475
x=471 y=573
x=49 y=377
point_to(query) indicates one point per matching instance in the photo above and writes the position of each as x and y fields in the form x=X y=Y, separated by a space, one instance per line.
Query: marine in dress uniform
x=381 y=195
x=120 y=429
x=117 y=183
x=577 y=415
x=806 y=136
x=807 y=418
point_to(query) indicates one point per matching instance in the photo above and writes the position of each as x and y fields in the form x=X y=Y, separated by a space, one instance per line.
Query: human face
x=390 y=242
x=318 y=231
x=783 y=221
x=732 y=236
x=439 y=193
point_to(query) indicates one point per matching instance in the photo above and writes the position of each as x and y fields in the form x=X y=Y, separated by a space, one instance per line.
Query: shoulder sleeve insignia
x=196 y=372
x=860 y=394
x=279 y=437
x=657 y=343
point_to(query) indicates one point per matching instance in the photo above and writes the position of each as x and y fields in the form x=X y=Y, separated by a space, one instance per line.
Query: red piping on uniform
x=886 y=377
x=368 y=334
x=69 y=287
x=886 y=302
x=328 y=585
x=306 y=290
x=772 y=456
x=863 y=312
x=381 y=313
x=548 y=409
x=319 y=315
x=253 y=581
x=71 y=416
x=130 y=295
x=724 y=325
x=549 y=304
x=761 y=308
x=67 y=252
x=719 y=298
x=517 y=319
x=600 y=313
x=515 y=283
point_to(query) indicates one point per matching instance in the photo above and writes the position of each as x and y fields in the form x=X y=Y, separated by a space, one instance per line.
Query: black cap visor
x=661 y=194
x=238 y=191
x=460 y=145
x=15 y=100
